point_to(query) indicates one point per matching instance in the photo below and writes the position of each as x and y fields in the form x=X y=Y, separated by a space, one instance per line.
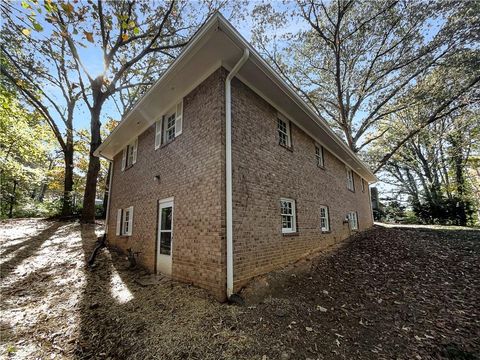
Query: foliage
x=432 y=167
x=25 y=156
x=111 y=52
x=356 y=61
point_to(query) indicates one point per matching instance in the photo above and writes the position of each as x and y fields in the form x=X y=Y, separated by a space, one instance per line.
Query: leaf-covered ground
x=402 y=293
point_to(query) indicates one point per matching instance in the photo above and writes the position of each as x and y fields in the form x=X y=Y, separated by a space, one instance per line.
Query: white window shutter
x=130 y=220
x=135 y=147
x=119 y=222
x=124 y=158
x=179 y=118
x=158 y=133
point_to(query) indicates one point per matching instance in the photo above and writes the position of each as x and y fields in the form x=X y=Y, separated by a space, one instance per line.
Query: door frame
x=163 y=203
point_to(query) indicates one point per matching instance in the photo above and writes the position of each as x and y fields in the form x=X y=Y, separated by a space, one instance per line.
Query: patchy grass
x=400 y=293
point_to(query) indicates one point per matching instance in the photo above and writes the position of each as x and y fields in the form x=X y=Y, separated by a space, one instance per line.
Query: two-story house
x=221 y=172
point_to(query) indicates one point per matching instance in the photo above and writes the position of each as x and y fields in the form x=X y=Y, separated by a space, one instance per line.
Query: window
x=324 y=220
x=125 y=221
x=350 y=182
x=353 y=220
x=287 y=209
x=170 y=126
x=129 y=156
x=284 y=132
x=363 y=185
x=319 y=156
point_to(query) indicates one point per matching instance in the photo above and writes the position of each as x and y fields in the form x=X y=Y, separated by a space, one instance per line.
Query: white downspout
x=228 y=168
x=109 y=200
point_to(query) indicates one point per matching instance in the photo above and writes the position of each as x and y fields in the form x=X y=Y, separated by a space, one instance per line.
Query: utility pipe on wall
x=228 y=168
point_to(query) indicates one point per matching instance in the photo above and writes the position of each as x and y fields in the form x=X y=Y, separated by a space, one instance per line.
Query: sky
x=94 y=61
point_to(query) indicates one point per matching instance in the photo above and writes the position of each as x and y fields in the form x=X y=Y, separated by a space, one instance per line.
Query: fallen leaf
x=88 y=35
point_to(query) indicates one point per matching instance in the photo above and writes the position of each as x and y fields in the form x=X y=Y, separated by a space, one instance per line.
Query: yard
x=404 y=293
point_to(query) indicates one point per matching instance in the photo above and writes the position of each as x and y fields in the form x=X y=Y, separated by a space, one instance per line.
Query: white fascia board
x=187 y=51
x=236 y=37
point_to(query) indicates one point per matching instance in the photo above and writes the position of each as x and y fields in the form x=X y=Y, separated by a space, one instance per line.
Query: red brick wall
x=263 y=172
x=191 y=169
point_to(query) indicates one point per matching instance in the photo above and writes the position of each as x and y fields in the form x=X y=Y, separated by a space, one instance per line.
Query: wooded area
x=399 y=81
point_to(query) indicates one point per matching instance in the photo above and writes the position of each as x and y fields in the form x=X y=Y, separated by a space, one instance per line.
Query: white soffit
x=216 y=44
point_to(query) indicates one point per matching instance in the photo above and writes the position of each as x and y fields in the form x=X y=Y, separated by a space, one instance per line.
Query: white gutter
x=110 y=164
x=228 y=168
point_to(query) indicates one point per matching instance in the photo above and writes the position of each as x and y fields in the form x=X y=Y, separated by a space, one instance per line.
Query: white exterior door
x=165 y=236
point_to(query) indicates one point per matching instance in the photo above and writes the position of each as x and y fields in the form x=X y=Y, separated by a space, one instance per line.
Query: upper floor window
x=287 y=210
x=363 y=185
x=324 y=219
x=353 y=220
x=284 y=132
x=350 y=181
x=129 y=156
x=319 y=156
x=169 y=126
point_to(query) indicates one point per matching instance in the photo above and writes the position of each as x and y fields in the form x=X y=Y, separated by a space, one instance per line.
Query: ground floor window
x=287 y=209
x=125 y=221
x=324 y=219
x=353 y=220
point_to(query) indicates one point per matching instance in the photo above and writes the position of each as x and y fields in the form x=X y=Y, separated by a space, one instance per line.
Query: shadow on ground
x=403 y=293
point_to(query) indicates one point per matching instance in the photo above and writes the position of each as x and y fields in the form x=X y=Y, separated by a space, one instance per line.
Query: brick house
x=222 y=173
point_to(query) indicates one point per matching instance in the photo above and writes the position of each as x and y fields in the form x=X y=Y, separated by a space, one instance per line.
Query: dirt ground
x=389 y=293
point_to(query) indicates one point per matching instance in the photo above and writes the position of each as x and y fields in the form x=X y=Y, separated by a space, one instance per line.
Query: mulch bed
x=385 y=294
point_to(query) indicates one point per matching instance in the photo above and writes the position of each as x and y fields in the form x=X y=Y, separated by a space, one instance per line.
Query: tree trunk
x=68 y=152
x=13 y=199
x=88 y=212
x=67 y=208
x=460 y=179
x=106 y=195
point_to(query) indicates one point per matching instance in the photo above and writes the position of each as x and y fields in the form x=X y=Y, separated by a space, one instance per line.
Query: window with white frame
x=125 y=221
x=350 y=181
x=169 y=126
x=353 y=220
x=284 y=132
x=319 y=156
x=129 y=156
x=324 y=219
x=287 y=209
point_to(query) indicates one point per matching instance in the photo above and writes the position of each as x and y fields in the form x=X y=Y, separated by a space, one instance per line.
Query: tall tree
x=24 y=152
x=353 y=60
x=132 y=40
x=33 y=65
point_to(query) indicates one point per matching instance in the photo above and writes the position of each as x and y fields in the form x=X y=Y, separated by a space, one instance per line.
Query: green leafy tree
x=25 y=155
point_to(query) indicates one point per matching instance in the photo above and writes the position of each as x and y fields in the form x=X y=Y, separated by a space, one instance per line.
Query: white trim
x=287 y=132
x=135 y=149
x=124 y=158
x=158 y=133
x=109 y=200
x=119 y=222
x=326 y=228
x=350 y=178
x=219 y=22
x=179 y=118
x=353 y=220
x=319 y=157
x=167 y=259
x=216 y=65
x=293 y=216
